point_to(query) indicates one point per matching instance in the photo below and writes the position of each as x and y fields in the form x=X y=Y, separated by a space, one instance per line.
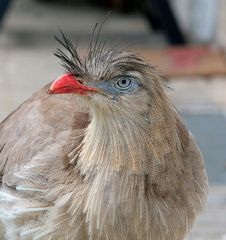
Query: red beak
x=67 y=83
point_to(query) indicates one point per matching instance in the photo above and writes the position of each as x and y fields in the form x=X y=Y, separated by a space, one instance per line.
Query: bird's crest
x=74 y=63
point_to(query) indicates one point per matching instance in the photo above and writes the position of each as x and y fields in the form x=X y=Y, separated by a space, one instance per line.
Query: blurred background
x=184 y=39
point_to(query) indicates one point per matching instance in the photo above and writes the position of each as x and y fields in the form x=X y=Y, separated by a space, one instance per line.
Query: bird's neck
x=120 y=158
x=122 y=144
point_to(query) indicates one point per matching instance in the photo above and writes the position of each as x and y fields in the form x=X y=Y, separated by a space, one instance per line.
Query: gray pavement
x=27 y=63
x=210 y=132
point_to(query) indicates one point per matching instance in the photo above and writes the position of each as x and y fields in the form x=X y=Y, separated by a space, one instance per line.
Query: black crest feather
x=71 y=61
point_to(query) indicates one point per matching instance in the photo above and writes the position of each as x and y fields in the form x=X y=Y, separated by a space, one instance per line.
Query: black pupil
x=123 y=82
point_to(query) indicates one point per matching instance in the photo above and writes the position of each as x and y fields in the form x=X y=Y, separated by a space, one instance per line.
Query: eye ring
x=124 y=83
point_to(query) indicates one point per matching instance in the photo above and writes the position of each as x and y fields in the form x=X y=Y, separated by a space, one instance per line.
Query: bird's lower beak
x=67 y=83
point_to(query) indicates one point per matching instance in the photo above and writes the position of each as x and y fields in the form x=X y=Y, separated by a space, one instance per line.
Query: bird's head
x=111 y=81
x=127 y=102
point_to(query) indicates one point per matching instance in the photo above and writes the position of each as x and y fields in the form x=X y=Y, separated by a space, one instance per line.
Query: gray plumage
x=113 y=165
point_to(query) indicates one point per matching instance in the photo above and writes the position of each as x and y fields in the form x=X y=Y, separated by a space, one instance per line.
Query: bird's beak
x=68 y=83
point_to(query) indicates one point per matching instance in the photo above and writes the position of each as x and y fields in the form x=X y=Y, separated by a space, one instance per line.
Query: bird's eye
x=123 y=83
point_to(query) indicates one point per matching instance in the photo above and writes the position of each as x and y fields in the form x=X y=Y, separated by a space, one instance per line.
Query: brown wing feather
x=43 y=120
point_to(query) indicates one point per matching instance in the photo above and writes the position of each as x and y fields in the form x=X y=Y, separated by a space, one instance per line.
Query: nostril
x=80 y=81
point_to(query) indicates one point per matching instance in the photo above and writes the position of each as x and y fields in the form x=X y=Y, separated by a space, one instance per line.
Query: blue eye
x=123 y=83
x=119 y=85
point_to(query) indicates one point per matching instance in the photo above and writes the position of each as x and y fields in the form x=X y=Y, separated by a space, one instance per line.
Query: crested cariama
x=100 y=153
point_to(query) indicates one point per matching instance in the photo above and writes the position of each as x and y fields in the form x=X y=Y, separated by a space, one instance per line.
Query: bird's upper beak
x=68 y=83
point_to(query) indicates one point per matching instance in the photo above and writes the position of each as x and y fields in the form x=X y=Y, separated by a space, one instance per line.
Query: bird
x=100 y=153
